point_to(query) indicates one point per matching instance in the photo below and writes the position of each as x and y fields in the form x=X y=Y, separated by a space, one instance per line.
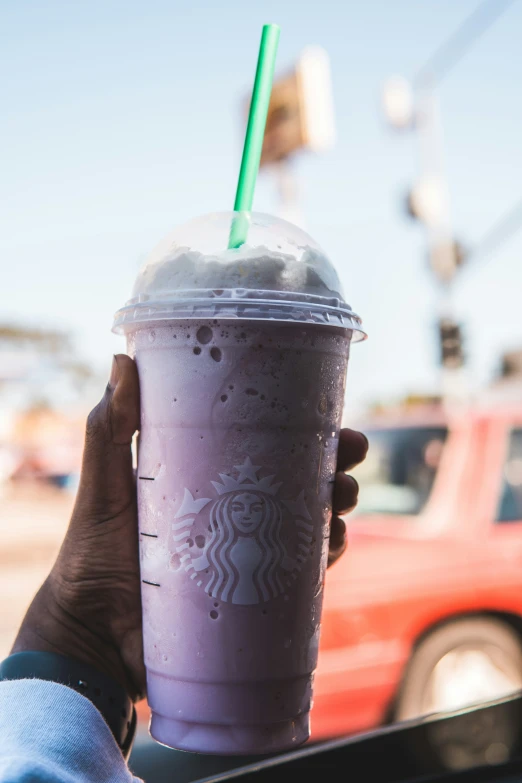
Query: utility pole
x=289 y=193
x=428 y=201
x=445 y=254
x=414 y=106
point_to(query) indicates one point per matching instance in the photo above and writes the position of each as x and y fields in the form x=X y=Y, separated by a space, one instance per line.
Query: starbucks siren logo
x=244 y=559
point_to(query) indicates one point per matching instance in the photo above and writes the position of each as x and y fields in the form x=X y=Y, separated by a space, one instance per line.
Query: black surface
x=158 y=764
x=404 y=752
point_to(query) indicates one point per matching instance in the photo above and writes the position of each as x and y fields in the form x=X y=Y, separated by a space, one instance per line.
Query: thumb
x=107 y=483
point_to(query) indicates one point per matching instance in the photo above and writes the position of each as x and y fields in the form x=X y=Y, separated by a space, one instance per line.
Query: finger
x=345 y=493
x=338 y=540
x=125 y=403
x=353 y=447
x=106 y=483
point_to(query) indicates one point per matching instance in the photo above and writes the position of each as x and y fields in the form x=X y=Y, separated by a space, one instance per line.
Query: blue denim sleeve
x=51 y=734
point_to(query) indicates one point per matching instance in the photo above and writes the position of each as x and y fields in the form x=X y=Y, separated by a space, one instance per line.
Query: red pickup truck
x=424 y=612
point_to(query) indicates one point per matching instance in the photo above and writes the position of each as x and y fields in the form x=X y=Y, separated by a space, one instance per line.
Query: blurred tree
x=46 y=352
x=54 y=342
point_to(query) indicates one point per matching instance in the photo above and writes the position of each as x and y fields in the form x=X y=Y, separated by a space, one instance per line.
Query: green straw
x=255 y=133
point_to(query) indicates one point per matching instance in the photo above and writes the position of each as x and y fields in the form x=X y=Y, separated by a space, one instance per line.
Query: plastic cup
x=242 y=357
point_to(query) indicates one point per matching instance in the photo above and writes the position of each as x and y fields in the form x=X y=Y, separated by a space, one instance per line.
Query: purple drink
x=238 y=443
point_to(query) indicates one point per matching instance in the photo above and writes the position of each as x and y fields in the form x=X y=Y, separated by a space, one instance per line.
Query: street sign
x=301 y=114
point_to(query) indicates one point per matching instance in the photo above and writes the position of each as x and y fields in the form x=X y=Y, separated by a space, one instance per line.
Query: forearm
x=52 y=734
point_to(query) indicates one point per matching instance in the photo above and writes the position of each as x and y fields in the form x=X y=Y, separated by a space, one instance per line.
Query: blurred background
x=394 y=139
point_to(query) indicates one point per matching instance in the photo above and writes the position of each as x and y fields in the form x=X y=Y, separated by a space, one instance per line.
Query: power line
x=437 y=67
x=500 y=232
x=455 y=47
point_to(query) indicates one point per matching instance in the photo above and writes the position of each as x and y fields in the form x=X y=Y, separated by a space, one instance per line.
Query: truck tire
x=469 y=661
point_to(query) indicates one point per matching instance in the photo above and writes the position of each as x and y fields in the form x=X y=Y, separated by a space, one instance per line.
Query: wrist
x=50 y=627
x=110 y=699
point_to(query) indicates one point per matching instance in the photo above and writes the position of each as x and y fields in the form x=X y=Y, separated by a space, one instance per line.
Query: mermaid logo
x=244 y=555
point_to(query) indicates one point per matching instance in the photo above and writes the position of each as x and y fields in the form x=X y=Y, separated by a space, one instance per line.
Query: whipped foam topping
x=256 y=268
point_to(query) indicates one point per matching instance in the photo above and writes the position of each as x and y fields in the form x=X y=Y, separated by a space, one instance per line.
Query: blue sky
x=122 y=119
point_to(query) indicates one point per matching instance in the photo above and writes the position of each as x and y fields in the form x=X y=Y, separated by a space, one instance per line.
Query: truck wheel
x=466 y=662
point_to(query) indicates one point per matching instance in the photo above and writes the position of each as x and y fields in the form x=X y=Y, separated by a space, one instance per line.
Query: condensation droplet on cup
x=165 y=657
x=204 y=335
x=152 y=336
x=215 y=354
x=214 y=615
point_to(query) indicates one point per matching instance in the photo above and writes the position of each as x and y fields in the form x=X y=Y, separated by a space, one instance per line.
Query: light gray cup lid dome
x=280 y=274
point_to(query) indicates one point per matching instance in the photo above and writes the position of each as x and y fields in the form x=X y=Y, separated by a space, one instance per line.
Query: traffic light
x=301 y=111
x=450 y=337
x=511 y=364
x=398 y=103
x=426 y=201
x=446 y=258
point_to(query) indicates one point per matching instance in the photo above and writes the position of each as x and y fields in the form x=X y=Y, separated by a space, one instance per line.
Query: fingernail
x=115 y=373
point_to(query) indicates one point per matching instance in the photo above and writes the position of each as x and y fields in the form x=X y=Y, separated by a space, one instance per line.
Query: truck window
x=510 y=505
x=398 y=473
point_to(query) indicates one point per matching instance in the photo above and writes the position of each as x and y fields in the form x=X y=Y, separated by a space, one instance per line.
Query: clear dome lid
x=279 y=274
